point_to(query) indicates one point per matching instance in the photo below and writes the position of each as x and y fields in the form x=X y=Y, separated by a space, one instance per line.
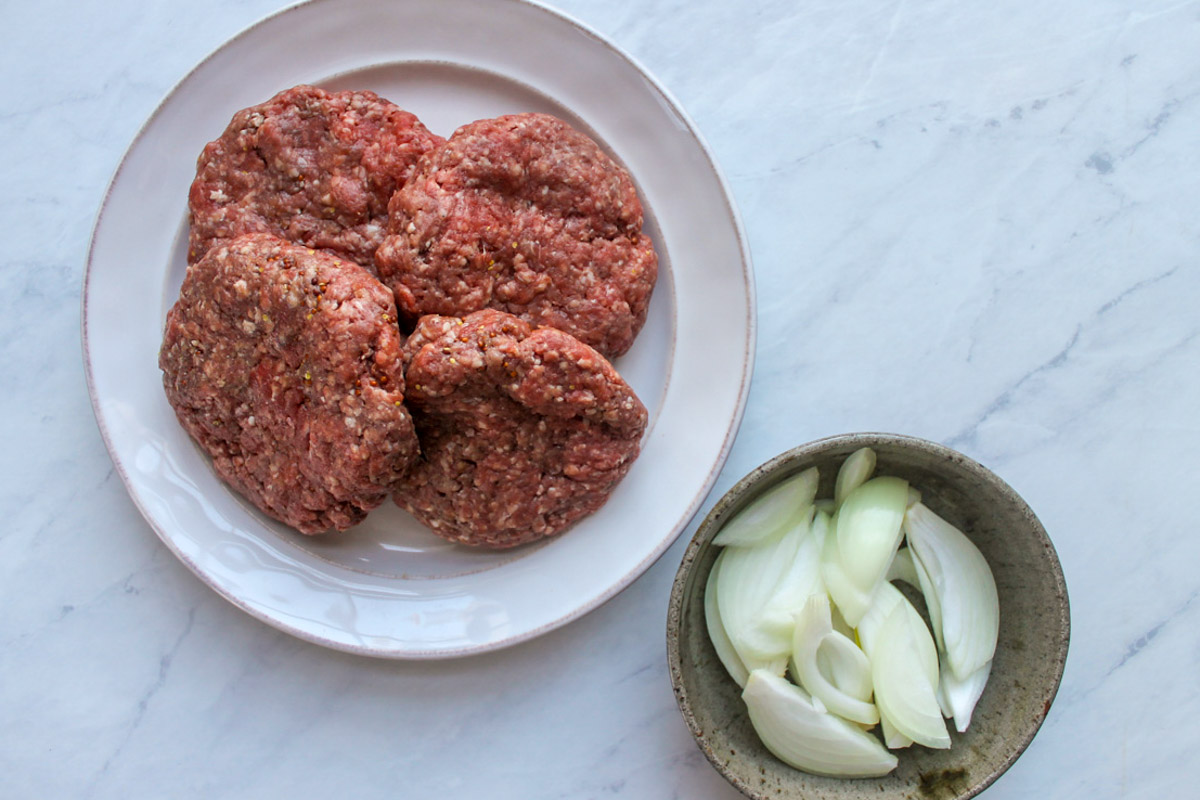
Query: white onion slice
x=770 y=512
x=854 y=472
x=821 y=530
x=903 y=692
x=799 y=581
x=962 y=587
x=747 y=579
x=887 y=599
x=851 y=601
x=794 y=730
x=962 y=695
x=932 y=604
x=815 y=633
x=909 y=570
x=844 y=665
x=822 y=524
x=868 y=531
x=716 y=629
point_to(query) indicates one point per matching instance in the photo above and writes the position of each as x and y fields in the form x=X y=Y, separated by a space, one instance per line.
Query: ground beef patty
x=313 y=167
x=524 y=214
x=284 y=363
x=523 y=431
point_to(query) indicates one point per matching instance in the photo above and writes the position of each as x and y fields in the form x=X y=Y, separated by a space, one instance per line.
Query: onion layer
x=716 y=628
x=770 y=512
x=804 y=737
x=868 y=533
x=962 y=587
x=903 y=692
x=855 y=471
x=815 y=633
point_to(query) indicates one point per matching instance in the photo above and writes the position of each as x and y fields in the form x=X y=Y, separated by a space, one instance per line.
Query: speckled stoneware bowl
x=1030 y=654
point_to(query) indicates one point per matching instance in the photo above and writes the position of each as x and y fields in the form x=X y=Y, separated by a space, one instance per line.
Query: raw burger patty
x=524 y=214
x=523 y=431
x=313 y=167
x=284 y=364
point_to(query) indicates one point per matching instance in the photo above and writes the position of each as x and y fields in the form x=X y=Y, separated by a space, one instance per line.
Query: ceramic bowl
x=1030 y=653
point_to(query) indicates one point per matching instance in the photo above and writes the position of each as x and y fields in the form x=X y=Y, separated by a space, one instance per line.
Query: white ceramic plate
x=388 y=587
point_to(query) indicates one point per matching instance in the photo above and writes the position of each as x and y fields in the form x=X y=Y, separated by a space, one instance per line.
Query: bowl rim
x=817 y=448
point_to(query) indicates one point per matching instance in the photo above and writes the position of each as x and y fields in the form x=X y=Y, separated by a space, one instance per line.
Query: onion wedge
x=886 y=600
x=791 y=727
x=908 y=569
x=815 y=633
x=869 y=532
x=799 y=581
x=960 y=585
x=851 y=601
x=854 y=472
x=932 y=602
x=961 y=695
x=747 y=579
x=716 y=629
x=903 y=692
x=770 y=512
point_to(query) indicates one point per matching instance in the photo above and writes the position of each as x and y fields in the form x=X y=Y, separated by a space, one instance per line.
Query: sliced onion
x=854 y=472
x=814 y=632
x=844 y=664
x=770 y=512
x=747 y=579
x=716 y=629
x=903 y=692
x=799 y=581
x=868 y=531
x=962 y=586
x=962 y=695
x=886 y=600
x=851 y=601
x=822 y=524
x=821 y=531
x=768 y=609
x=909 y=570
x=794 y=730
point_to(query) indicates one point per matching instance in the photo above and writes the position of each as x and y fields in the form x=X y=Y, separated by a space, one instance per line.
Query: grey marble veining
x=974 y=223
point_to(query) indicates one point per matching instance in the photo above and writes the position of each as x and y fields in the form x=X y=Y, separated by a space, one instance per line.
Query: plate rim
x=686 y=515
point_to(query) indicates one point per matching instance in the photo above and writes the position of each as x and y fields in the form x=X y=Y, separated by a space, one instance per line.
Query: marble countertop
x=974 y=223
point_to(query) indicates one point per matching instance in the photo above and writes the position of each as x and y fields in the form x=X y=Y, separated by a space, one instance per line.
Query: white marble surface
x=974 y=223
